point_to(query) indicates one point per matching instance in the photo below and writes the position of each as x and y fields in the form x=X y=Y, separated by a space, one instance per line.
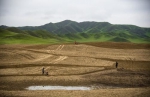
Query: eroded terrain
x=74 y=65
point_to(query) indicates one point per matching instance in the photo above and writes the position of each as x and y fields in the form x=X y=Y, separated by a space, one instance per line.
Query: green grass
x=84 y=37
x=8 y=37
x=138 y=40
x=4 y=33
x=27 y=40
x=43 y=37
x=148 y=34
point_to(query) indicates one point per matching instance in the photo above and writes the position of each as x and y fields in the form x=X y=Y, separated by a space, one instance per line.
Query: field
x=88 y=64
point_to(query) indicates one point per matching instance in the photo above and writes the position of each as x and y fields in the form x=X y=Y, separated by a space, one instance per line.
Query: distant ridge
x=69 y=31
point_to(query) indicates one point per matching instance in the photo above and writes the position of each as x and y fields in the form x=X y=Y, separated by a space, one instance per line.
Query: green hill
x=69 y=31
x=119 y=39
x=8 y=37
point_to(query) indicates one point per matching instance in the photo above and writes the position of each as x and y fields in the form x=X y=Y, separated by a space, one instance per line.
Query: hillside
x=69 y=31
x=22 y=37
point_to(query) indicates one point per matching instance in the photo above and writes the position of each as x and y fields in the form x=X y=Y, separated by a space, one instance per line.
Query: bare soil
x=90 y=64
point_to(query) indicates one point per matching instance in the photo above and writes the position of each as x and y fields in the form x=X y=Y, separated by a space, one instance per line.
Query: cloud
x=39 y=12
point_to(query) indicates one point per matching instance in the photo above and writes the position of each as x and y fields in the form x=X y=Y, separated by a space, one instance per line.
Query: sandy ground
x=130 y=92
x=74 y=65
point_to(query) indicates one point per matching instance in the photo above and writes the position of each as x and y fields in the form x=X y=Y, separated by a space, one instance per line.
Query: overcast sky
x=39 y=12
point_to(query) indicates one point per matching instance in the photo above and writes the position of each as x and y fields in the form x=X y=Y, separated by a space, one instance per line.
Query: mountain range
x=70 y=31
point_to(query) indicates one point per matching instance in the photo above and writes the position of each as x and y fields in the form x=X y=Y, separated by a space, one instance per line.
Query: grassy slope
x=98 y=31
x=16 y=36
x=8 y=37
x=92 y=38
x=103 y=37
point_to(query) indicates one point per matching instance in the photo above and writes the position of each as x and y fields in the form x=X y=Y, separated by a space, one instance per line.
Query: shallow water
x=58 y=88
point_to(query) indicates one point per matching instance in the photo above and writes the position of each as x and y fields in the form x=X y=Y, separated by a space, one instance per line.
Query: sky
x=39 y=12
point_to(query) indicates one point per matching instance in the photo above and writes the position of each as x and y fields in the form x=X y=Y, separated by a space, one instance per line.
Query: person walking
x=43 y=70
x=116 y=64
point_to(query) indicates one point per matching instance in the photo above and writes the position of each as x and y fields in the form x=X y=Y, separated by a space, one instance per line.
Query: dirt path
x=60 y=58
x=60 y=47
x=42 y=58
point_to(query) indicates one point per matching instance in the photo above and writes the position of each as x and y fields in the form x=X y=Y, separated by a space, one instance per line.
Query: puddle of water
x=58 y=88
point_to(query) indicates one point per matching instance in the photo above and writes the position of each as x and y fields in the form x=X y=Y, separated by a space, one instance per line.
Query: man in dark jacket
x=43 y=70
x=116 y=64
